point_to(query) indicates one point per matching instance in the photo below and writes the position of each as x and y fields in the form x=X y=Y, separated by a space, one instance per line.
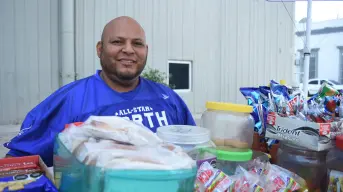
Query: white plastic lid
x=183 y=134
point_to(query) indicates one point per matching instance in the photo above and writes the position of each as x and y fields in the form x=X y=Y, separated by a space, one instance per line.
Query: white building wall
x=328 y=54
x=232 y=43
x=28 y=55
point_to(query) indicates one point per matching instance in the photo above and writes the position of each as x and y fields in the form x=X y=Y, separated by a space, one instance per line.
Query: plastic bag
x=117 y=143
x=210 y=179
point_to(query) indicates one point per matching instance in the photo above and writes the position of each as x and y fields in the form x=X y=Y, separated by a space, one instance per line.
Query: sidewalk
x=7 y=132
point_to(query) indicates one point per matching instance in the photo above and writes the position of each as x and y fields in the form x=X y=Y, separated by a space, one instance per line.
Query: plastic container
x=230 y=124
x=229 y=158
x=334 y=163
x=71 y=176
x=310 y=165
x=192 y=139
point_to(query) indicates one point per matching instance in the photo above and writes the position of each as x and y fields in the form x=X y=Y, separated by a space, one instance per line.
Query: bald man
x=116 y=90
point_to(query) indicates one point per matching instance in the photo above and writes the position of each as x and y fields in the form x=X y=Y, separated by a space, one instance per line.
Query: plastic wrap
x=90 y=156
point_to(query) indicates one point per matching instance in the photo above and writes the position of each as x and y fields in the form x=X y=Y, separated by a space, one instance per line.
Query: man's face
x=123 y=51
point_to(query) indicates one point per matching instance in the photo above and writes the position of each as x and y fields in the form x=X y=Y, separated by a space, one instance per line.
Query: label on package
x=336 y=181
x=306 y=134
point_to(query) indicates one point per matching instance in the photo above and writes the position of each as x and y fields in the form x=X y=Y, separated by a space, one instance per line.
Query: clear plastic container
x=192 y=139
x=334 y=162
x=230 y=124
x=308 y=164
x=71 y=175
x=229 y=158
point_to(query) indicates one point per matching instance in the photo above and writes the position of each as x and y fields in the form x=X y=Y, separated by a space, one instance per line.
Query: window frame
x=314 y=54
x=340 y=63
x=314 y=81
x=190 y=79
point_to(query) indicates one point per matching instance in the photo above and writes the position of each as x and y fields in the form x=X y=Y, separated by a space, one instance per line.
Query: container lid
x=232 y=154
x=282 y=82
x=229 y=107
x=339 y=142
x=183 y=134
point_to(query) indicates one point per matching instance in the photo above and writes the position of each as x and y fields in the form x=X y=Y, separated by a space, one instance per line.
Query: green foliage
x=156 y=76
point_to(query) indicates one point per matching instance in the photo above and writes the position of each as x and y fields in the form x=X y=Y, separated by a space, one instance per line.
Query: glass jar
x=308 y=164
x=228 y=159
x=230 y=124
x=192 y=139
x=334 y=162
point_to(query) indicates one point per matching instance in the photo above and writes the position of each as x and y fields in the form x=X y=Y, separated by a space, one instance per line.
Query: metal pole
x=307 y=49
x=67 y=41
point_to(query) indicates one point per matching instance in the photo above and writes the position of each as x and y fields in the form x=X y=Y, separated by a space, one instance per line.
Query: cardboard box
x=310 y=135
x=22 y=165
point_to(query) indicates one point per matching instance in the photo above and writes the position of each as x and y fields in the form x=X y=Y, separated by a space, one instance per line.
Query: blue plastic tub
x=71 y=176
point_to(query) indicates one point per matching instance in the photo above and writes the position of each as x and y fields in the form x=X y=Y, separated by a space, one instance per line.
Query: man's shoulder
x=158 y=86
x=69 y=91
x=75 y=87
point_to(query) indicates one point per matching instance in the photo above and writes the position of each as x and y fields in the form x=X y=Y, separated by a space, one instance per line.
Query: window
x=180 y=75
x=334 y=82
x=315 y=82
x=313 y=68
x=340 y=75
x=324 y=81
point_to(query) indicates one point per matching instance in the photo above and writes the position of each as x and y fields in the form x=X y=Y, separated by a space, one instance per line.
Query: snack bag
x=33 y=182
x=210 y=179
x=280 y=179
x=246 y=182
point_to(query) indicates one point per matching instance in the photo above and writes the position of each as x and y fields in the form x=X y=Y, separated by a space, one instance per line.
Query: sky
x=321 y=10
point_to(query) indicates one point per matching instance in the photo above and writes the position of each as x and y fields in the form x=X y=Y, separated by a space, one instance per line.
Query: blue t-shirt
x=150 y=103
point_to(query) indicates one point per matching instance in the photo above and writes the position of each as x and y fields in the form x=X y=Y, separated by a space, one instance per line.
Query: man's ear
x=147 y=50
x=99 y=48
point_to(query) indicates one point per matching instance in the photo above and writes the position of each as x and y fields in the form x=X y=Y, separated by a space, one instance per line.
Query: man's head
x=122 y=50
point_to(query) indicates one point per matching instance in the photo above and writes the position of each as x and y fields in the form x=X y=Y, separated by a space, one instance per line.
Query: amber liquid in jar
x=334 y=162
x=310 y=165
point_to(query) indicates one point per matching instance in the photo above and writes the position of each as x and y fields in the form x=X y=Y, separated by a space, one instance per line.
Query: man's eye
x=117 y=42
x=139 y=43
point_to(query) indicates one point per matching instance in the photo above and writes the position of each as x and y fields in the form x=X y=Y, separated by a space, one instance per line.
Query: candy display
x=258 y=177
x=319 y=116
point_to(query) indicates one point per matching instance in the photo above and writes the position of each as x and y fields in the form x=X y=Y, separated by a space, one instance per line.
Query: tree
x=156 y=76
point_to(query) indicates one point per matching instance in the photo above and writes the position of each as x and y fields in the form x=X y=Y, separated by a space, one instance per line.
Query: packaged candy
x=210 y=179
x=253 y=97
x=251 y=94
x=246 y=182
x=327 y=90
x=27 y=183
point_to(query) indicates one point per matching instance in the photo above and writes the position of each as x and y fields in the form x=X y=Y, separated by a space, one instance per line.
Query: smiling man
x=116 y=90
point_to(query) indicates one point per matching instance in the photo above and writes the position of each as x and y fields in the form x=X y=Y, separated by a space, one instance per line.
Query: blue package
x=34 y=182
x=252 y=94
x=255 y=98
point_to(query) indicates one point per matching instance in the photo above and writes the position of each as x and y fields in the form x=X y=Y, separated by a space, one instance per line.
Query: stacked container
x=192 y=139
x=232 y=130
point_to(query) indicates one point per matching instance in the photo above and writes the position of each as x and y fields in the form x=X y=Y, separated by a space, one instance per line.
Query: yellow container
x=230 y=124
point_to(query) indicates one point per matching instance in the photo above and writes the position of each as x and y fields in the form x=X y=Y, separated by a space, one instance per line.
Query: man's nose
x=128 y=48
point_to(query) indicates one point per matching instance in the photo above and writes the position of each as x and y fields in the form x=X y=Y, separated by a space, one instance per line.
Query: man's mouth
x=127 y=61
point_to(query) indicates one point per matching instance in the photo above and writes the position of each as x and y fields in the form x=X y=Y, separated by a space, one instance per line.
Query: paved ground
x=7 y=132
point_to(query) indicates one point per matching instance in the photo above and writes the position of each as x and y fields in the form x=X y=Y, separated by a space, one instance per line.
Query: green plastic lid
x=231 y=154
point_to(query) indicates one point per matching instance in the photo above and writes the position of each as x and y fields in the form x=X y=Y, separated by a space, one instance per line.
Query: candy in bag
x=210 y=179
